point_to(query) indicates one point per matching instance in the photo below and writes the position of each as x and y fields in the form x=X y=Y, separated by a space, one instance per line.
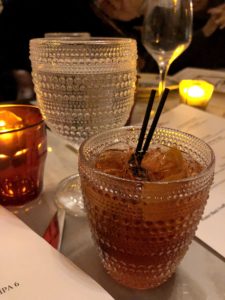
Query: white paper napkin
x=33 y=270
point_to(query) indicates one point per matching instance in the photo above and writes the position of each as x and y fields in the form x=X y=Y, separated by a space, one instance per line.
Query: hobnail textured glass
x=84 y=86
x=143 y=229
x=78 y=35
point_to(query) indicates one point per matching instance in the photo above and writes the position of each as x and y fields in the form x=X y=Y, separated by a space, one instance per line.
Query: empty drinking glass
x=167 y=32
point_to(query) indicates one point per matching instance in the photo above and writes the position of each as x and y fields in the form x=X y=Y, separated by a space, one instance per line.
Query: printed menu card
x=31 y=269
x=211 y=129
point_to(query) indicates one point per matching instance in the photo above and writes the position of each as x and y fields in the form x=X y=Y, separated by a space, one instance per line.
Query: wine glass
x=167 y=32
x=83 y=86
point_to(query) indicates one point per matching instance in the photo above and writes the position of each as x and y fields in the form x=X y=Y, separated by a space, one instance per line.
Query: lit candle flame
x=9 y=121
x=196 y=92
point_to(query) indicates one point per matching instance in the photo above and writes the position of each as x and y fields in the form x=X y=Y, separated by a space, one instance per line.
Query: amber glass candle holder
x=23 y=149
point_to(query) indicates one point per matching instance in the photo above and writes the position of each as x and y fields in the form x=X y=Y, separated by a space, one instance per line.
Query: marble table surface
x=201 y=274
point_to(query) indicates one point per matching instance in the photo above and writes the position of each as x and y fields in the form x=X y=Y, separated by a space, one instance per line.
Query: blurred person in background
x=208 y=43
x=21 y=20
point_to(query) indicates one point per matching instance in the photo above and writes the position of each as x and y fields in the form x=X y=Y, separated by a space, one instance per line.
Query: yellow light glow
x=24 y=189
x=178 y=51
x=2 y=123
x=50 y=149
x=6 y=138
x=3 y=156
x=9 y=121
x=10 y=192
x=21 y=152
x=195 y=92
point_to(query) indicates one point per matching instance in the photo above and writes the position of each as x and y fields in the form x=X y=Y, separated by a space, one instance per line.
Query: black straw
x=145 y=122
x=155 y=120
x=137 y=156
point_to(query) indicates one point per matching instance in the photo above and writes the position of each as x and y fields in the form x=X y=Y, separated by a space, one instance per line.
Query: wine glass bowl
x=84 y=86
x=167 y=32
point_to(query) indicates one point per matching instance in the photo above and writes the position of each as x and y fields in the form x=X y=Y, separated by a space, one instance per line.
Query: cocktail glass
x=143 y=229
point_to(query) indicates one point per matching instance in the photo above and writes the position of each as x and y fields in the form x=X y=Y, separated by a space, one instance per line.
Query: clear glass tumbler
x=83 y=87
x=143 y=229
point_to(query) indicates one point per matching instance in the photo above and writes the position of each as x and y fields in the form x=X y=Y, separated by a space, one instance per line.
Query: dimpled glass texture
x=143 y=229
x=84 y=86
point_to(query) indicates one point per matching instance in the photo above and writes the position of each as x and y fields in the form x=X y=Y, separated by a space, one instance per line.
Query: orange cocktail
x=143 y=222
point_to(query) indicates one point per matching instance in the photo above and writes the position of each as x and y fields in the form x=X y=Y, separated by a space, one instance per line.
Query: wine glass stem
x=163 y=70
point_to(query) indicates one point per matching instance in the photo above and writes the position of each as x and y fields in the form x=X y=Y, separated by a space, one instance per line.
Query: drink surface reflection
x=143 y=226
x=23 y=149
